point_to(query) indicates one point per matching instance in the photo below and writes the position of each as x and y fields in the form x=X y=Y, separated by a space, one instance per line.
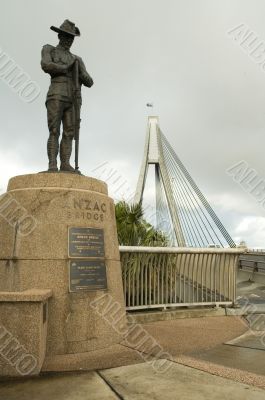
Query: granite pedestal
x=36 y=215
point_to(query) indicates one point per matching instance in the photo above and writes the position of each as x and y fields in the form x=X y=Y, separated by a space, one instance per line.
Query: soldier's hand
x=70 y=65
x=65 y=67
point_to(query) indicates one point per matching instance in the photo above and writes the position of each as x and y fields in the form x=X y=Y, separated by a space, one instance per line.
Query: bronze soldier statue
x=68 y=73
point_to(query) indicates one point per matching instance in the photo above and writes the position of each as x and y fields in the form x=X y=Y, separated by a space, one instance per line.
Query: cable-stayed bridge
x=182 y=211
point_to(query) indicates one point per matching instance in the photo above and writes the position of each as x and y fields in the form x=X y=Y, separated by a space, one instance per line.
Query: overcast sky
x=208 y=92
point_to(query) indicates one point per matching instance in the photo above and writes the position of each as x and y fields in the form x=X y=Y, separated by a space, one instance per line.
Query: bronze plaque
x=86 y=275
x=86 y=242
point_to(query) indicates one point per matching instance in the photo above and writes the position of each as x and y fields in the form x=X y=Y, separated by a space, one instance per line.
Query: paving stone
x=88 y=386
x=142 y=382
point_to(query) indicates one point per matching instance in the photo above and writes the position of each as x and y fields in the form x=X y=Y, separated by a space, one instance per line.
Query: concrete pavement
x=134 y=382
x=197 y=370
x=87 y=386
x=141 y=382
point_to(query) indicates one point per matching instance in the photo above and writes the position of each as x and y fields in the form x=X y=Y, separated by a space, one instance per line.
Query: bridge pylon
x=182 y=211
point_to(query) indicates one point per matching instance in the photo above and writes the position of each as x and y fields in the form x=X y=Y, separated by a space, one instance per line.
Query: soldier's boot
x=52 y=149
x=65 y=154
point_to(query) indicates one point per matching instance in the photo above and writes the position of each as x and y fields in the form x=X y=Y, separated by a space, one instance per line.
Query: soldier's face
x=66 y=41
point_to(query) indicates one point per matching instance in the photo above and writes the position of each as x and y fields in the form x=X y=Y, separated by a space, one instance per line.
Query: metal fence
x=161 y=277
x=256 y=250
x=254 y=262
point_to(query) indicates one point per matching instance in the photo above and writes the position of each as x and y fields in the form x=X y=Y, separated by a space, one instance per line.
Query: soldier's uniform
x=59 y=63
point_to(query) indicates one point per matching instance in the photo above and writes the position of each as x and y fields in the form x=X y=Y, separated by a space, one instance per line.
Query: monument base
x=23 y=331
x=58 y=233
x=113 y=356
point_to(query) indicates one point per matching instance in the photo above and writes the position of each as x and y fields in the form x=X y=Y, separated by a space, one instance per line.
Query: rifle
x=77 y=106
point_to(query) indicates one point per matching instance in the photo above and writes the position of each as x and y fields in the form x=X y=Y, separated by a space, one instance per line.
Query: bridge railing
x=161 y=277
